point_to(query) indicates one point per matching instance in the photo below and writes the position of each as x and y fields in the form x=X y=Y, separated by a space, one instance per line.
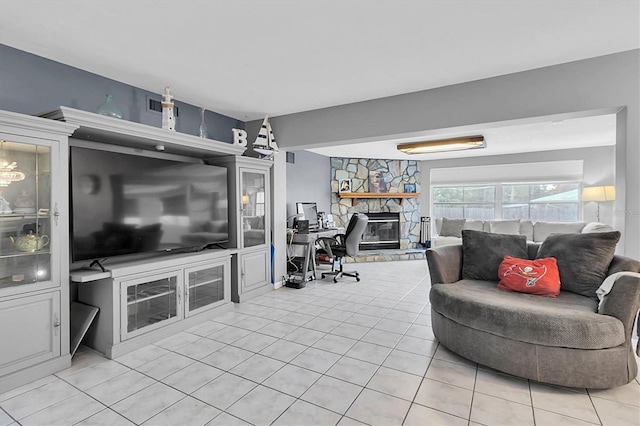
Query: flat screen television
x=123 y=203
x=309 y=212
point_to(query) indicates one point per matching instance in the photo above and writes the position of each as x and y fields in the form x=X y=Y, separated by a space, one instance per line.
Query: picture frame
x=377 y=181
x=344 y=185
x=410 y=188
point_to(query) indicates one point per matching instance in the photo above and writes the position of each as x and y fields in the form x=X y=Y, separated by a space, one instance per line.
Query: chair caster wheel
x=335 y=281
x=358 y=279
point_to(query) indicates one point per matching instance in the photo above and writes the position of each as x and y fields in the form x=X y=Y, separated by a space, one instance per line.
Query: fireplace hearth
x=383 y=232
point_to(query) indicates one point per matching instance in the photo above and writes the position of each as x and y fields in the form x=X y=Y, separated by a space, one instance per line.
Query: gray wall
x=607 y=83
x=30 y=84
x=309 y=180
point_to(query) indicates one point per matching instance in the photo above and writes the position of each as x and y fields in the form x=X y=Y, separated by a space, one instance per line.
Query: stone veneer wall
x=398 y=172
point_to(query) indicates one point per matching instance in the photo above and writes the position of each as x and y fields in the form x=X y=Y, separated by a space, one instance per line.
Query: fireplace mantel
x=357 y=195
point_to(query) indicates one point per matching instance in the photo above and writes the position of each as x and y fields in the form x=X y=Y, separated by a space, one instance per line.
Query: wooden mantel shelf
x=357 y=195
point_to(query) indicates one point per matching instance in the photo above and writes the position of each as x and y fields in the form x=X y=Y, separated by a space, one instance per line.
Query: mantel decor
x=360 y=195
x=344 y=185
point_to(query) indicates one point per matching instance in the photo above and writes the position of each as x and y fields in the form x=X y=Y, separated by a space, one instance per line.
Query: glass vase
x=202 y=131
x=109 y=108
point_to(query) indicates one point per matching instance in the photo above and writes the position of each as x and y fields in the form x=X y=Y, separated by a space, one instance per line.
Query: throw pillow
x=482 y=253
x=583 y=259
x=452 y=227
x=540 y=276
x=596 y=227
x=511 y=227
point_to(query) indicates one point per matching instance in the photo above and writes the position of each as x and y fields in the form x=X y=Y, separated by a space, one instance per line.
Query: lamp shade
x=599 y=193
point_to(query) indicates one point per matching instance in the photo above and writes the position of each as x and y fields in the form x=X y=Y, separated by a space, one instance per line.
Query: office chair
x=346 y=244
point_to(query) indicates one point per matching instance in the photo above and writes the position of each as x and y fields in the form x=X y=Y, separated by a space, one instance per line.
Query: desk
x=308 y=258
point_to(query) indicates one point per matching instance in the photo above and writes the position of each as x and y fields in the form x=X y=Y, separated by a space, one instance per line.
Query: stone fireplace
x=398 y=175
x=383 y=232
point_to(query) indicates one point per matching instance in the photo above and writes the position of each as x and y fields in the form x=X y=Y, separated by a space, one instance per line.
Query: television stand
x=144 y=301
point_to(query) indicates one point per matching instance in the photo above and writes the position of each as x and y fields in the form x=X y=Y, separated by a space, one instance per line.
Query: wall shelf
x=359 y=195
x=100 y=128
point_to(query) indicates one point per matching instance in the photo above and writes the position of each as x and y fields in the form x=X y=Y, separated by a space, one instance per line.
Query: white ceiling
x=249 y=58
x=501 y=138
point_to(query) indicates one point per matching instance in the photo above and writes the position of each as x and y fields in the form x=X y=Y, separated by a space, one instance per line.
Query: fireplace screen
x=383 y=232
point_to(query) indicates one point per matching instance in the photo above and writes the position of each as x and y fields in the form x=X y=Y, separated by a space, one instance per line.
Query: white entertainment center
x=145 y=301
x=140 y=300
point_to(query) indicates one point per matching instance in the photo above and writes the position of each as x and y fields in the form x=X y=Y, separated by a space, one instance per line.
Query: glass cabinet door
x=149 y=304
x=25 y=208
x=205 y=286
x=253 y=208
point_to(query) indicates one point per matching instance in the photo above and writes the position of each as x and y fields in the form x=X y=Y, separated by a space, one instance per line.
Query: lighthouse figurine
x=168 y=119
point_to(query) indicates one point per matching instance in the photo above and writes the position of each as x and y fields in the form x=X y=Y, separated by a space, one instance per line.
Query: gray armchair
x=565 y=341
x=342 y=245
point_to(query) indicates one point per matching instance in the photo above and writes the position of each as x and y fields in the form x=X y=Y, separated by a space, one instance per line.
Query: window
x=260 y=203
x=469 y=202
x=548 y=201
x=559 y=202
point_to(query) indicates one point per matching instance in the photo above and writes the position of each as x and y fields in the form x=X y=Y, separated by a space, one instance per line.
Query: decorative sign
x=239 y=137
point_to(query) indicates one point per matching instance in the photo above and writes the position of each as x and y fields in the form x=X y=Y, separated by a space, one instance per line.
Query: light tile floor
x=348 y=354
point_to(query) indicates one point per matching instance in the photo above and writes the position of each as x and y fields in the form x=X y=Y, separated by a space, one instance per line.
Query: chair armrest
x=445 y=264
x=623 y=302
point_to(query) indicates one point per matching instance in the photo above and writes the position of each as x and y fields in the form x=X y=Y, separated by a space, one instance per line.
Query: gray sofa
x=564 y=341
x=534 y=231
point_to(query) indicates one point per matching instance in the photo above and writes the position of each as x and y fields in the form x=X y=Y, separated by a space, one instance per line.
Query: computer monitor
x=309 y=212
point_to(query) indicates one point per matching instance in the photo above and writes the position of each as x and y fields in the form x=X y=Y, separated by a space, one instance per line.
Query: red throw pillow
x=538 y=276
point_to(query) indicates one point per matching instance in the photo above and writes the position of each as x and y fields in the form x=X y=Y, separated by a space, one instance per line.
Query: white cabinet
x=254 y=270
x=144 y=301
x=38 y=319
x=34 y=295
x=250 y=216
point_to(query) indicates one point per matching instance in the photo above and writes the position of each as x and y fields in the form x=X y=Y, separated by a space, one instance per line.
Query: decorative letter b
x=239 y=137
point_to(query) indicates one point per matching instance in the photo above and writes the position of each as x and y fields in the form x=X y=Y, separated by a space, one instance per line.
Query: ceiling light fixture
x=443 y=145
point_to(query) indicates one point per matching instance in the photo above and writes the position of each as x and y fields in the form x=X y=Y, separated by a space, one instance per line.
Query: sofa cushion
x=438 y=223
x=446 y=241
x=541 y=230
x=569 y=320
x=539 y=276
x=526 y=229
x=482 y=253
x=476 y=225
x=509 y=227
x=583 y=259
x=452 y=227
